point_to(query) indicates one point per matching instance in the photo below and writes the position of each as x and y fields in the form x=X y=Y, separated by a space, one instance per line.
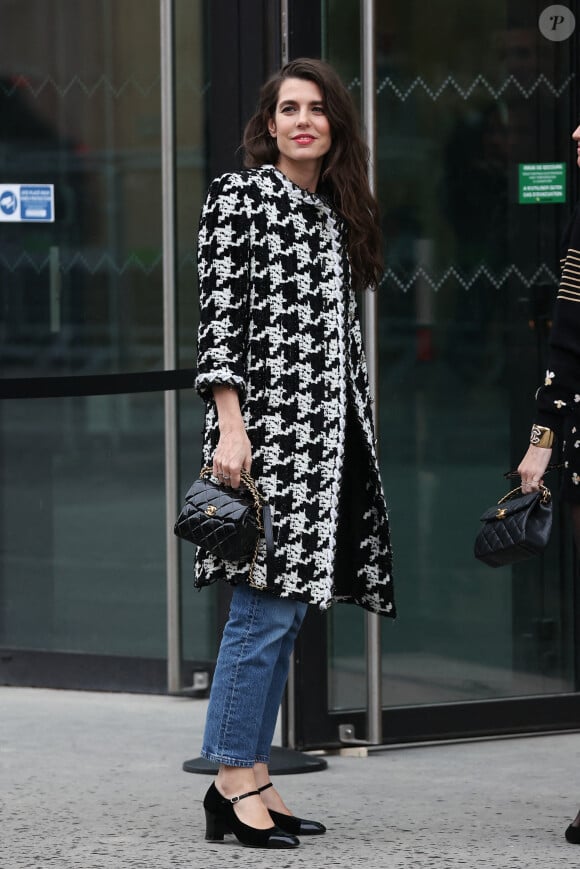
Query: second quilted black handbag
x=516 y=528
x=224 y=521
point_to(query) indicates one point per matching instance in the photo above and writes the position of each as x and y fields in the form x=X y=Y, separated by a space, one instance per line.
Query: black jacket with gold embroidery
x=560 y=393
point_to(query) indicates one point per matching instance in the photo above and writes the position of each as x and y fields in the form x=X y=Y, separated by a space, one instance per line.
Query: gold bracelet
x=540 y=436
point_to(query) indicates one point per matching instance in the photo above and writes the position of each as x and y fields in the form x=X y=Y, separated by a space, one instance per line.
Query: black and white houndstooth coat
x=278 y=322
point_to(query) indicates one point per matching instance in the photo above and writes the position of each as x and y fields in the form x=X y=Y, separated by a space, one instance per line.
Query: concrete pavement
x=94 y=781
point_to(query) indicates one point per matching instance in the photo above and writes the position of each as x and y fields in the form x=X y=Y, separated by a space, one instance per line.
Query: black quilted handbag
x=224 y=521
x=516 y=528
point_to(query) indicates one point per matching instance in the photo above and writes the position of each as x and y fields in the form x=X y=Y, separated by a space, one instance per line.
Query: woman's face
x=576 y=137
x=300 y=126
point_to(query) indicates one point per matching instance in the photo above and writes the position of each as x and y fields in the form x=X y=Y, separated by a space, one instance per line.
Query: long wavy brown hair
x=344 y=174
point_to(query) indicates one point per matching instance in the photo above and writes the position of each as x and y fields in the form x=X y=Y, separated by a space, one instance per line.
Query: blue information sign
x=27 y=203
x=36 y=202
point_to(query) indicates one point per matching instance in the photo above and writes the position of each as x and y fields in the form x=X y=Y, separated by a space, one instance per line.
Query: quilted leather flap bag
x=224 y=521
x=516 y=528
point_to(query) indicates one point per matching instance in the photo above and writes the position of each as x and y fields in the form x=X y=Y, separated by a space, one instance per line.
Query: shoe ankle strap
x=265 y=787
x=242 y=797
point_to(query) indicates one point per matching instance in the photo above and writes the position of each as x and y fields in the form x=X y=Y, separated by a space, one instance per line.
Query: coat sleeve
x=560 y=393
x=223 y=268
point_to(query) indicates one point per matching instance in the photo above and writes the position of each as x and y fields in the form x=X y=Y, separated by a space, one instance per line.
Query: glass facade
x=83 y=494
x=470 y=280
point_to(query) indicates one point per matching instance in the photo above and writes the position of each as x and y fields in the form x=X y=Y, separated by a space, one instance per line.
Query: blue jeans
x=250 y=675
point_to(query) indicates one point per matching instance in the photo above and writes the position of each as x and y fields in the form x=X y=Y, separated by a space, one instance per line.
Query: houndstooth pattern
x=278 y=322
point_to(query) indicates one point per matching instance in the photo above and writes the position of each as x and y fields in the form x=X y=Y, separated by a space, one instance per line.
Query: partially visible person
x=558 y=400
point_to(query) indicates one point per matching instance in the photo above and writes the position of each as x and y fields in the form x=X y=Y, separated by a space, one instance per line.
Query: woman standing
x=558 y=400
x=283 y=245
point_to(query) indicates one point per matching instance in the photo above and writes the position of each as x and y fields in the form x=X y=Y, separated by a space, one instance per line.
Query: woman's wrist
x=229 y=426
x=228 y=409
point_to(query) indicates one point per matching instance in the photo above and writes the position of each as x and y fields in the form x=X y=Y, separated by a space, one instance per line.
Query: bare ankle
x=261 y=774
x=235 y=780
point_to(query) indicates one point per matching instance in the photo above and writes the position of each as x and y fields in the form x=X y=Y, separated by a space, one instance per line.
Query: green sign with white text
x=542 y=182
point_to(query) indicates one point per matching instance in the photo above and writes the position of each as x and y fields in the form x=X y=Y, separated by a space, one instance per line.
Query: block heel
x=215 y=828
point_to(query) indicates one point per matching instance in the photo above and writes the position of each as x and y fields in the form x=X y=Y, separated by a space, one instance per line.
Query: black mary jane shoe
x=572 y=834
x=291 y=824
x=220 y=819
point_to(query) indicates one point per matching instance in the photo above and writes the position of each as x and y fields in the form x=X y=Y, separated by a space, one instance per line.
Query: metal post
x=368 y=103
x=167 y=17
x=289 y=707
x=55 y=288
x=284 y=32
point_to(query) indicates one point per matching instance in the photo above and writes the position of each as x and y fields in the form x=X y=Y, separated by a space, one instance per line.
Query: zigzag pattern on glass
x=419 y=84
x=406 y=283
x=103 y=82
x=90 y=264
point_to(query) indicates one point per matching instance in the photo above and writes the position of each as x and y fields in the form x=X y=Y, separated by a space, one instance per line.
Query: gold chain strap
x=546 y=495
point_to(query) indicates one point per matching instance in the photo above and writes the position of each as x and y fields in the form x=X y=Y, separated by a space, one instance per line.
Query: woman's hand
x=533 y=467
x=234 y=450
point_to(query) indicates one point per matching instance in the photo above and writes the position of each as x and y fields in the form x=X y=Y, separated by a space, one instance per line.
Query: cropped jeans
x=250 y=676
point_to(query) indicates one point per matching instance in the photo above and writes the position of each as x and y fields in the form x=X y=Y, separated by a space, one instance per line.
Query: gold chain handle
x=546 y=495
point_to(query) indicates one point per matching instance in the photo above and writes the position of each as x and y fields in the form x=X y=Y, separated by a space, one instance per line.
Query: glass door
x=471 y=276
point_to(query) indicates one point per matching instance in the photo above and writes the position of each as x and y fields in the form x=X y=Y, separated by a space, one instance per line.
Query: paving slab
x=94 y=781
